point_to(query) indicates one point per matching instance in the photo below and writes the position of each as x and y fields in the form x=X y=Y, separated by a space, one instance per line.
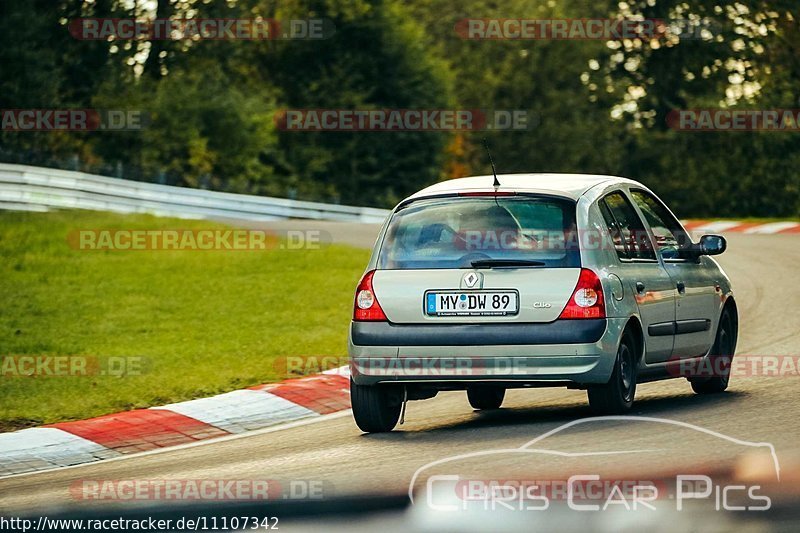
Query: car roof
x=567 y=185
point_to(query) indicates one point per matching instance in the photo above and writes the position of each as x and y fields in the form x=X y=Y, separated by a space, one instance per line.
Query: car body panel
x=579 y=363
x=543 y=293
x=661 y=304
x=571 y=186
x=695 y=305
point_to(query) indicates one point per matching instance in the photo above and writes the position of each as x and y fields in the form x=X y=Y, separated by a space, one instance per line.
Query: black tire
x=376 y=408
x=486 y=397
x=721 y=356
x=616 y=396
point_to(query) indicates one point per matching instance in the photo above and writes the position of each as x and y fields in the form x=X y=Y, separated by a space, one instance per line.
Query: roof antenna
x=494 y=171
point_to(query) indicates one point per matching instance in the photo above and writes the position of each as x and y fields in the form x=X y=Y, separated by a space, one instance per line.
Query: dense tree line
x=597 y=106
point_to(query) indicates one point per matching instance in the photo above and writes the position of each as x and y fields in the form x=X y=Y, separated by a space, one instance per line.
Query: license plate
x=471 y=303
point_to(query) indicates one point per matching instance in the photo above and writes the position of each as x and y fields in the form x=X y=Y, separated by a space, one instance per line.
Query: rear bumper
x=571 y=351
x=558 y=332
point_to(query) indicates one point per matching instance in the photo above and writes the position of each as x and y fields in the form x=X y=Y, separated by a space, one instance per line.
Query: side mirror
x=712 y=244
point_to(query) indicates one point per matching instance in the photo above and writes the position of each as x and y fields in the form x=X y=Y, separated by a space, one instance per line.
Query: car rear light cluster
x=366 y=306
x=587 y=298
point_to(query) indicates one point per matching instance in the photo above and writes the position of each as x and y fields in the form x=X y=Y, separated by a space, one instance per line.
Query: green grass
x=203 y=322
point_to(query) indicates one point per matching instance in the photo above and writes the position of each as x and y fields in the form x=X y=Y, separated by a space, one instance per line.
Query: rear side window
x=626 y=228
x=452 y=232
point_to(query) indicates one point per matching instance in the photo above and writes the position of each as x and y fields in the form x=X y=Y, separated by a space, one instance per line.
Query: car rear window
x=453 y=232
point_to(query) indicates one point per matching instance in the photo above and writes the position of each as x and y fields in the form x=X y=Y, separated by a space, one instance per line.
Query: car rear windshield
x=455 y=231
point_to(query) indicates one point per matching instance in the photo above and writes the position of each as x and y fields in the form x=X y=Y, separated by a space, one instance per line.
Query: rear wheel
x=616 y=396
x=486 y=397
x=376 y=408
x=720 y=357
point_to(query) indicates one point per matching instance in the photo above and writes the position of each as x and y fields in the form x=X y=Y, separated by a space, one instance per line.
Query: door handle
x=639 y=287
x=681 y=287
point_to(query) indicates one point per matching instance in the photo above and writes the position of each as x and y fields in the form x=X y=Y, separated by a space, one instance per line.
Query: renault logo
x=471 y=279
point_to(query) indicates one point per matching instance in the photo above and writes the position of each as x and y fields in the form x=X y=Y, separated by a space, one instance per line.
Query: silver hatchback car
x=529 y=280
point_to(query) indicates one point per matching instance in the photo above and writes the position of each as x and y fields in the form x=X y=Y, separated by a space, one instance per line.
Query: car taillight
x=587 y=298
x=366 y=305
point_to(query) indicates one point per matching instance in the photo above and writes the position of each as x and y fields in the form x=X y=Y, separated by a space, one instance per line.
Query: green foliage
x=374 y=60
x=740 y=55
x=594 y=106
x=208 y=132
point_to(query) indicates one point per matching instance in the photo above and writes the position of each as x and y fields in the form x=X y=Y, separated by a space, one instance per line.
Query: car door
x=643 y=274
x=697 y=299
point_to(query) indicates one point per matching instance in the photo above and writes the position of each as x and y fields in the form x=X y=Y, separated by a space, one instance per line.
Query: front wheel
x=486 y=397
x=616 y=396
x=376 y=409
x=720 y=357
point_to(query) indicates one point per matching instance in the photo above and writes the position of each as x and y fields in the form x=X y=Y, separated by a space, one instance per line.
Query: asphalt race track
x=764 y=271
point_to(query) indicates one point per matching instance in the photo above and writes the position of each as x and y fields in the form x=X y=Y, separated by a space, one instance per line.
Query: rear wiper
x=490 y=263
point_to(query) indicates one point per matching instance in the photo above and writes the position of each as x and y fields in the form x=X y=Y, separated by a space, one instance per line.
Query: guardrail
x=40 y=189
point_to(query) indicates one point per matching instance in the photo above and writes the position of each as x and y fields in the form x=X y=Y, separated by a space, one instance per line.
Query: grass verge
x=197 y=323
